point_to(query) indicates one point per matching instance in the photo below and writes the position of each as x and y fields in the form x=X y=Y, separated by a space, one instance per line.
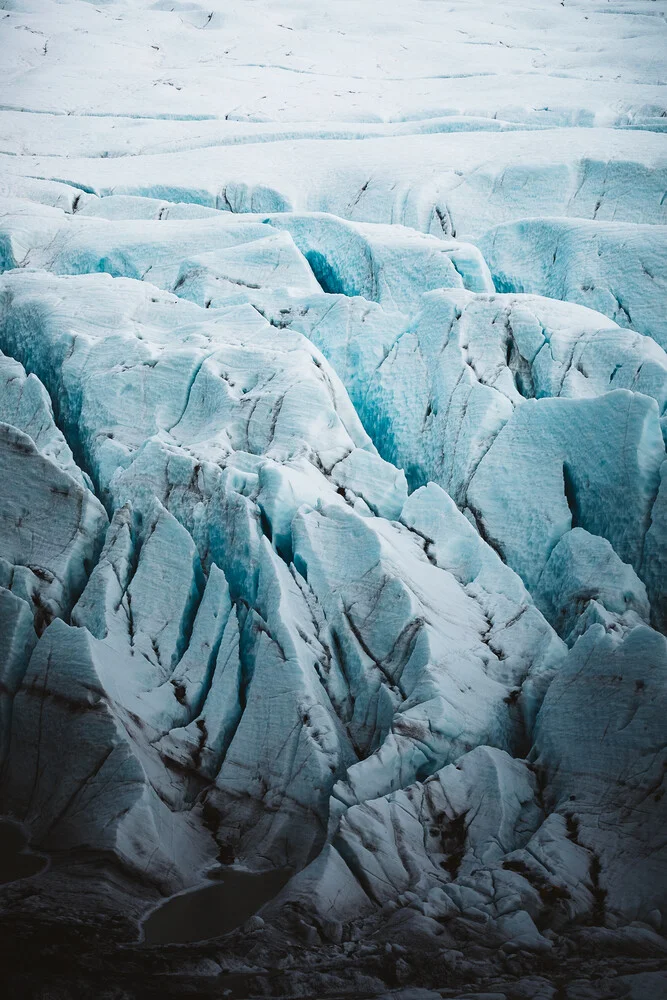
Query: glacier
x=333 y=499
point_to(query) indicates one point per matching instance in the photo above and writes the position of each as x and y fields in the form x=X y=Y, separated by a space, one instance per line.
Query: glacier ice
x=616 y=268
x=333 y=395
x=51 y=525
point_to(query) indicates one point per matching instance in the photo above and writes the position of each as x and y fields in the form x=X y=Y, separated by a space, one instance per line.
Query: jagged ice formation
x=333 y=503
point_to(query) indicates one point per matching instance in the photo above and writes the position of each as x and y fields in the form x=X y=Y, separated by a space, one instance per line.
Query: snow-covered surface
x=333 y=491
x=397 y=62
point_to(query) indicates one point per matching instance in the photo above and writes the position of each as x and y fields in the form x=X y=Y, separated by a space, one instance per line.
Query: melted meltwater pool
x=211 y=910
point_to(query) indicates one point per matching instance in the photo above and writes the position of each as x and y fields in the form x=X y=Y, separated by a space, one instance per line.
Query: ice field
x=333 y=498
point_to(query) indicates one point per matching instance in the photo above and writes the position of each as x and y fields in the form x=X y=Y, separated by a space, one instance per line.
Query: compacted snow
x=333 y=496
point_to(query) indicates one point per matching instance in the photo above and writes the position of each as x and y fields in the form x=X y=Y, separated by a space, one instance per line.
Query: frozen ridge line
x=332 y=501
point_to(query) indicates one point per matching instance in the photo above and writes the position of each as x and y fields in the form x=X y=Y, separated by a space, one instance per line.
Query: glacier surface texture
x=333 y=499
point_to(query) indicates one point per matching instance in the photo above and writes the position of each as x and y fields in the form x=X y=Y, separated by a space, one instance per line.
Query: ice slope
x=332 y=492
x=617 y=269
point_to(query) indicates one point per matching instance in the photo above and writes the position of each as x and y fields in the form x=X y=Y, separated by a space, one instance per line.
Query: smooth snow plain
x=333 y=487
